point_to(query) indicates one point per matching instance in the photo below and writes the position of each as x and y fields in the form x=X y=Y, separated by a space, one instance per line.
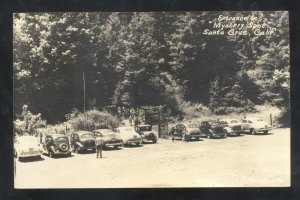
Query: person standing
x=99 y=145
x=119 y=112
x=172 y=132
x=184 y=136
x=132 y=113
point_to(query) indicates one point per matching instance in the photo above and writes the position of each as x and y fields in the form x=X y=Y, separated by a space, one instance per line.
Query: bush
x=103 y=118
x=40 y=124
x=19 y=127
x=53 y=129
x=28 y=123
x=81 y=122
x=284 y=118
x=194 y=110
x=92 y=120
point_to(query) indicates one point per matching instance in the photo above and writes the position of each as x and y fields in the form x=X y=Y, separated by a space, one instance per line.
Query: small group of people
x=123 y=111
x=133 y=117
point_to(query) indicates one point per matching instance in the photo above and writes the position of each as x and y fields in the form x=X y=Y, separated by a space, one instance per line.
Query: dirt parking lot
x=243 y=161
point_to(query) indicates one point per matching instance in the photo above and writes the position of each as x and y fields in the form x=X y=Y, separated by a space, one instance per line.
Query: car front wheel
x=252 y=131
x=209 y=136
x=153 y=138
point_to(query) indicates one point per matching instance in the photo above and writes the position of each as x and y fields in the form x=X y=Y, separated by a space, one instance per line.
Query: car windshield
x=192 y=126
x=145 y=128
x=87 y=135
x=234 y=121
x=61 y=139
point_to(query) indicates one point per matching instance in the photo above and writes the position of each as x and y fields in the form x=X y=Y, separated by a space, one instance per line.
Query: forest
x=149 y=59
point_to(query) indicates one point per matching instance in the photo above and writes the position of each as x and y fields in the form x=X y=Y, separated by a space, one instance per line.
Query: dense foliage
x=146 y=59
x=91 y=120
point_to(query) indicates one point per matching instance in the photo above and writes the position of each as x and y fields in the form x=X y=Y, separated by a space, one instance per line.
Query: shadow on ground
x=31 y=159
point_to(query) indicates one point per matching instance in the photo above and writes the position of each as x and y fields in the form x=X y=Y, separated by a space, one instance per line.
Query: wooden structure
x=155 y=116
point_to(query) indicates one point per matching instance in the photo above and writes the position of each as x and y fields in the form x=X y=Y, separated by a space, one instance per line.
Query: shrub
x=19 y=127
x=74 y=113
x=81 y=122
x=53 y=129
x=102 y=118
x=194 y=110
x=91 y=120
x=28 y=123
x=40 y=124
x=284 y=118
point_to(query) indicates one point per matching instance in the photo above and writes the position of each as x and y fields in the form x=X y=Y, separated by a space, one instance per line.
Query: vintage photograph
x=151 y=99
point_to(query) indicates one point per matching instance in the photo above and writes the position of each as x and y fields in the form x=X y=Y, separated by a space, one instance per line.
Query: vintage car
x=188 y=131
x=145 y=131
x=129 y=136
x=27 y=146
x=231 y=126
x=82 y=140
x=56 y=144
x=212 y=129
x=254 y=125
x=110 y=138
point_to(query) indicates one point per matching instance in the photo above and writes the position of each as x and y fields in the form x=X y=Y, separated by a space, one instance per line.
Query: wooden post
x=83 y=92
x=84 y=97
x=271 y=122
x=159 y=124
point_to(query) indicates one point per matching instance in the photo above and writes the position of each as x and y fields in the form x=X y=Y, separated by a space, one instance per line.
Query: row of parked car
x=220 y=128
x=59 y=144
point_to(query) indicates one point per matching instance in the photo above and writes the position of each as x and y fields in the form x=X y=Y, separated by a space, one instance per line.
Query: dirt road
x=244 y=161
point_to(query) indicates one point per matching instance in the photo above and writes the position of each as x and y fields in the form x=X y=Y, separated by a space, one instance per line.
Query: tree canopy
x=160 y=58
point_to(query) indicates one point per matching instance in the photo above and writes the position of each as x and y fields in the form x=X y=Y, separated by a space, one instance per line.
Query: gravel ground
x=244 y=161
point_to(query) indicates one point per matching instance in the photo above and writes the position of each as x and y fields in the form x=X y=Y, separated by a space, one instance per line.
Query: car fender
x=227 y=129
x=187 y=133
x=78 y=144
x=150 y=134
x=142 y=134
x=254 y=127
